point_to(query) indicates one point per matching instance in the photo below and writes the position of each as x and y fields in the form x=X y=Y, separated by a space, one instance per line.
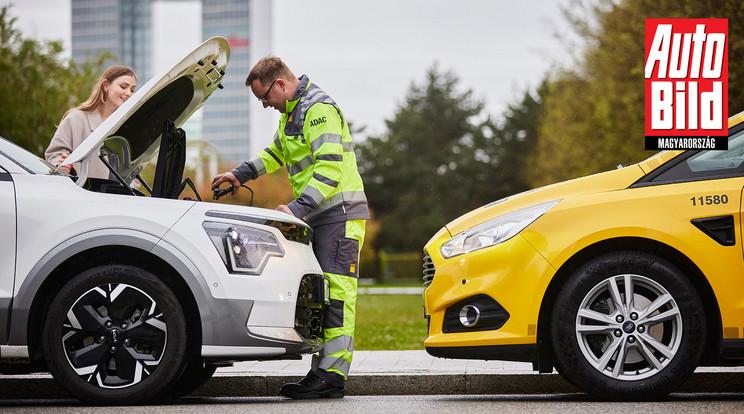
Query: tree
x=595 y=110
x=440 y=157
x=38 y=85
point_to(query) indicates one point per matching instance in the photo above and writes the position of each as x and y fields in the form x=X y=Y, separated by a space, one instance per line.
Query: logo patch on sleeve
x=318 y=121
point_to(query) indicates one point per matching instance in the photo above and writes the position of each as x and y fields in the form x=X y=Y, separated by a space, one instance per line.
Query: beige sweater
x=72 y=131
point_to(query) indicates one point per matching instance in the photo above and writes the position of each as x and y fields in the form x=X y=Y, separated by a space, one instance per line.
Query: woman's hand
x=64 y=169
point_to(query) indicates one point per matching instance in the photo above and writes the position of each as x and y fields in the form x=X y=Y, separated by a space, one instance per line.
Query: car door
x=7 y=248
x=707 y=187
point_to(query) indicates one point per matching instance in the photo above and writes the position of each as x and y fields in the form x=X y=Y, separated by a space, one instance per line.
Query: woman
x=116 y=85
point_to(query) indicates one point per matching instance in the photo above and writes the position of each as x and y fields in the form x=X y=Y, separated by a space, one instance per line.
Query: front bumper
x=239 y=340
x=511 y=274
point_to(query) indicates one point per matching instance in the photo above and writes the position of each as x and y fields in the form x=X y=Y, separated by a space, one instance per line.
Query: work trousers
x=337 y=247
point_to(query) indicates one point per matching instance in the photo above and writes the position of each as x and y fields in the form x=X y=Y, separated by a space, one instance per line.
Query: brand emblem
x=318 y=121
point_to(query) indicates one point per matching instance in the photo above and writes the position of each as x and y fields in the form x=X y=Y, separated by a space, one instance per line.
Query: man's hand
x=284 y=209
x=227 y=177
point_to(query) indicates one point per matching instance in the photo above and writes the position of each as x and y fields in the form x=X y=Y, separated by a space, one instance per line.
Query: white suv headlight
x=494 y=231
x=243 y=249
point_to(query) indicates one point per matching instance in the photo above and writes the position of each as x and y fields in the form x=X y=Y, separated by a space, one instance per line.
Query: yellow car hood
x=602 y=182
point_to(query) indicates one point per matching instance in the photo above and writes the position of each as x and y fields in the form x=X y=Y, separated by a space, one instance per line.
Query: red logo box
x=686 y=80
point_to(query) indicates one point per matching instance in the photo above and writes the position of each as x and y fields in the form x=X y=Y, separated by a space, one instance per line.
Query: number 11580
x=708 y=200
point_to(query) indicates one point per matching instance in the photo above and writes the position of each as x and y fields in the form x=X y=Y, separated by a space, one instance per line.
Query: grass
x=417 y=284
x=389 y=322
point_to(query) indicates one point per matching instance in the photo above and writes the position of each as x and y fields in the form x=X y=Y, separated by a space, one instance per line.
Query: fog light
x=469 y=316
x=475 y=313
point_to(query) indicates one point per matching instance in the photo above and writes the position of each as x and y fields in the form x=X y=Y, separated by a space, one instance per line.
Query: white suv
x=126 y=298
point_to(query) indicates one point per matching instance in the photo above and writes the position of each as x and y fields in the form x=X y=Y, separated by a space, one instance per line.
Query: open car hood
x=131 y=135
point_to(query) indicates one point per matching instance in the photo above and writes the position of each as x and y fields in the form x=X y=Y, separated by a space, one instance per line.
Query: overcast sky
x=366 y=54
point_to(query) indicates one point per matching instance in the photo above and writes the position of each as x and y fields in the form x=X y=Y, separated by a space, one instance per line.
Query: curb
x=392 y=384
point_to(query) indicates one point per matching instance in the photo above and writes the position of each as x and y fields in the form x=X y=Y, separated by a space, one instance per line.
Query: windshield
x=24 y=159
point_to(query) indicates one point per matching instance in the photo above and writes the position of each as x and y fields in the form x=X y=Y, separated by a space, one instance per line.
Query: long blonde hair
x=98 y=96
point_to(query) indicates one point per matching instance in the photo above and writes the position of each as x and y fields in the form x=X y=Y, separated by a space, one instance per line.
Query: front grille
x=428 y=269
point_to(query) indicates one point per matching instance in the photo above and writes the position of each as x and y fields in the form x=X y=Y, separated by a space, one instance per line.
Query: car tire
x=659 y=336
x=196 y=374
x=115 y=334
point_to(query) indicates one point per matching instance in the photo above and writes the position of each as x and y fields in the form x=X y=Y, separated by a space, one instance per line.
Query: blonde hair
x=267 y=69
x=98 y=95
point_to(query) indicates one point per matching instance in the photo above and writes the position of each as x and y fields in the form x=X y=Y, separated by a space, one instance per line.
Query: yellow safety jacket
x=314 y=142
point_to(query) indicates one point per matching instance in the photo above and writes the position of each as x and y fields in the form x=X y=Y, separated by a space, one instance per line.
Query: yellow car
x=624 y=281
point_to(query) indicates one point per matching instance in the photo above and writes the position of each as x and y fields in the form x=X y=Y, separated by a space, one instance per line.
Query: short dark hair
x=267 y=69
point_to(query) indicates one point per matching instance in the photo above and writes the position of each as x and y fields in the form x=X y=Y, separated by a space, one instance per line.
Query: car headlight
x=494 y=231
x=243 y=249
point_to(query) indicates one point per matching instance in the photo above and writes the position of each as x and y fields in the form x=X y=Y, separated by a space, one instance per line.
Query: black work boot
x=313 y=387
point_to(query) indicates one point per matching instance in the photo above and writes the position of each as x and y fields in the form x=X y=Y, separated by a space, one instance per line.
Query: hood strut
x=117 y=175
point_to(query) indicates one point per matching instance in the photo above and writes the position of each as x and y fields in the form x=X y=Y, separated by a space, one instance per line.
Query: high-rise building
x=225 y=122
x=229 y=119
x=122 y=27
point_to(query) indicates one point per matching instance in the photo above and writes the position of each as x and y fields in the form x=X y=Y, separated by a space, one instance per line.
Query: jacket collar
x=302 y=88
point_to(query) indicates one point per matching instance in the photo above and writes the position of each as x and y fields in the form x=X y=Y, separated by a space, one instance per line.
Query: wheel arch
x=674 y=256
x=90 y=250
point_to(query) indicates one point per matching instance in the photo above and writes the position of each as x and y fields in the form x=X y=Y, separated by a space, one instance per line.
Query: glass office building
x=225 y=122
x=122 y=27
x=229 y=119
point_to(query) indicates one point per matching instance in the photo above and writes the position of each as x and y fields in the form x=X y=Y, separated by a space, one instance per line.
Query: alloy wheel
x=114 y=335
x=629 y=327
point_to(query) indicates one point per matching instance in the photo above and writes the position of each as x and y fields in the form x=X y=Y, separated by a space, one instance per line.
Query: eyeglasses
x=263 y=98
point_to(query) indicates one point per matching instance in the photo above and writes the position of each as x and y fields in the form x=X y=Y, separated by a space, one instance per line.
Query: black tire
x=667 y=342
x=196 y=374
x=115 y=334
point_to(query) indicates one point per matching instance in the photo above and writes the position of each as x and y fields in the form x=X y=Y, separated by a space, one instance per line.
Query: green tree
x=595 y=109
x=440 y=157
x=38 y=85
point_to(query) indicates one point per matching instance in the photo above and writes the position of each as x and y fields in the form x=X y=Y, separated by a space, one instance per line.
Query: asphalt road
x=502 y=404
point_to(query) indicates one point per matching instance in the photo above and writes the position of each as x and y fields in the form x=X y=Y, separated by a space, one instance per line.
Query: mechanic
x=314 y=142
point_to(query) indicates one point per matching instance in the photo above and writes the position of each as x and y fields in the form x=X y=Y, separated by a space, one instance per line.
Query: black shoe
x=311 y=387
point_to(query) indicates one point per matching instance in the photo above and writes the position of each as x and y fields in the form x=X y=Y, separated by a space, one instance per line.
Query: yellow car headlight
x=494 y=231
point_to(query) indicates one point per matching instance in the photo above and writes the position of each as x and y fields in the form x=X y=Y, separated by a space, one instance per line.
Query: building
x=226 y=121
x=230 y=119
x=122 y=27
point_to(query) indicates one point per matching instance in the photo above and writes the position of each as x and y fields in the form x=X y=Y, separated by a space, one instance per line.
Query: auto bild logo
x=686 y=84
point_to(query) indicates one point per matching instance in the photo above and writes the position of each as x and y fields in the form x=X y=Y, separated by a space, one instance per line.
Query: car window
x=720 y=160
x=709 y=163
x=23 y=158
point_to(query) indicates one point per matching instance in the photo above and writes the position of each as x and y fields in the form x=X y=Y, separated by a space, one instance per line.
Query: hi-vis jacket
x=314 y=142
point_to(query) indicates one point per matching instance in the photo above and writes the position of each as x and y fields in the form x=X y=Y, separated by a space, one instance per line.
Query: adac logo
x=318 y=121
x=686 y=83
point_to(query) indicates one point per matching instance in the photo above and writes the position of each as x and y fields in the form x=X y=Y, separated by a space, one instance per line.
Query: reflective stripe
x=325 y=180
x=270 y=152
x=313 y=193
x=312 y=98
x=354 y=199
x=278 y=142
x=300 y=165
x=330 y=157
x=337 y=364
x=355 y=208
x=338 y=344
x=322 y=139
x=315 y=98
x=348 y=146
x=259 y=165
x=311 y=91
